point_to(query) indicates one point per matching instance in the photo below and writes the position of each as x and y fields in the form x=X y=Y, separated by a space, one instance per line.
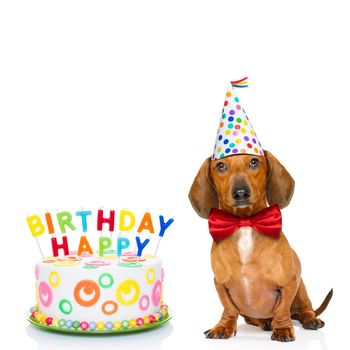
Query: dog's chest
x=245 y=243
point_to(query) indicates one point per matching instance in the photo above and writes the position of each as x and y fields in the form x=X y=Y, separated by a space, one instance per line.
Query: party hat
x=236 y=134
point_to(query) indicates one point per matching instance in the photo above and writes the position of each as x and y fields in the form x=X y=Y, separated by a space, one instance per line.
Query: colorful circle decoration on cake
x=133 y=259
x=150 y=276
x=90 y=267
x=100 y=325
x=92 y=325
x=157 y=293
x=98 y=263
x=66 y=263
x=130 y=288
x=102 y=280
x=45 y=294
x=144 y=302
x=112 y=307
x=54 y=279
x=130 y=264
x=89 y=288
x=65 y=306
x=84 y=325
x=49 y=322
x=68 y=258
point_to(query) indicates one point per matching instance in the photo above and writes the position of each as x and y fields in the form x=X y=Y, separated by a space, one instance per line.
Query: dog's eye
x=221 y=167
x=254 y=163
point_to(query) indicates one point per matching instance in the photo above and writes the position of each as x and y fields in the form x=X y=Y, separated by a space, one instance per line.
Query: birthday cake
x=107 y=291
x=90 y=293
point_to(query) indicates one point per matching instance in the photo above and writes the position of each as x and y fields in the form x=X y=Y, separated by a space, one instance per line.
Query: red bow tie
x=222 y=224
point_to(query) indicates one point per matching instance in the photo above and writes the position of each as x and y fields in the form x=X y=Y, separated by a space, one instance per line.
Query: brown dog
x=256 y=276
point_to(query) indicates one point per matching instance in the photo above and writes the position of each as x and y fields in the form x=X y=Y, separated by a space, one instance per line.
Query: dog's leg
x=282 y=326
x=228 y=323
x=302 y=309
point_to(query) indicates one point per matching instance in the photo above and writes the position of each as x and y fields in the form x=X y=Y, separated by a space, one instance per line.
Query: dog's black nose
x=241 y=193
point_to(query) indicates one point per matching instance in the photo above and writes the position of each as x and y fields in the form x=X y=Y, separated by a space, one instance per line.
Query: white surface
x=117 y=103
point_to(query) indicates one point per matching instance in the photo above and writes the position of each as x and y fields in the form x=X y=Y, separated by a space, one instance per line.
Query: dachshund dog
x=256 y=276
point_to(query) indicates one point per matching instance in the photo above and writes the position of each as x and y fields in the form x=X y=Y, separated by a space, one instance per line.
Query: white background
x=116 y=104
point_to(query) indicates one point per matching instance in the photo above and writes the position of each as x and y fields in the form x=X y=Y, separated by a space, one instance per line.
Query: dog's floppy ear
x=202 y=194
x=280 y=185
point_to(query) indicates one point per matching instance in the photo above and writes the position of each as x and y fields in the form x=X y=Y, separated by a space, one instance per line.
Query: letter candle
x=163 y=227
x=83 y=214
x=37 y=229
x=124 y=213
x=125 y=239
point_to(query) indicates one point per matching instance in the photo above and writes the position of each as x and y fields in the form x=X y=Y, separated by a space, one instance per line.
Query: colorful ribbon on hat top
x=235 y=134
x=242 y=83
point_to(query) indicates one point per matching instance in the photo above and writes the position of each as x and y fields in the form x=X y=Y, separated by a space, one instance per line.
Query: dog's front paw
x=220 y=332
x=283 y=334
x=312 y=323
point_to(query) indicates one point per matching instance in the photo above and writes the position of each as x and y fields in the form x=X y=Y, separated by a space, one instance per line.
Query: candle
x=129 y=240
x=37 y=229
x=163 y=226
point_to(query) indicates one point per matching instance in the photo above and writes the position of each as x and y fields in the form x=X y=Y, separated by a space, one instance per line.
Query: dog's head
x=241 y=184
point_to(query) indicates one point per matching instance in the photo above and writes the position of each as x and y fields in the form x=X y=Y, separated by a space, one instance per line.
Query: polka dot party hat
x=236 y=134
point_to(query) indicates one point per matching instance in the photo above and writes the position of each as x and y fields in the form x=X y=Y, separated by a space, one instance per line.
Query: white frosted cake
x=92 y=293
